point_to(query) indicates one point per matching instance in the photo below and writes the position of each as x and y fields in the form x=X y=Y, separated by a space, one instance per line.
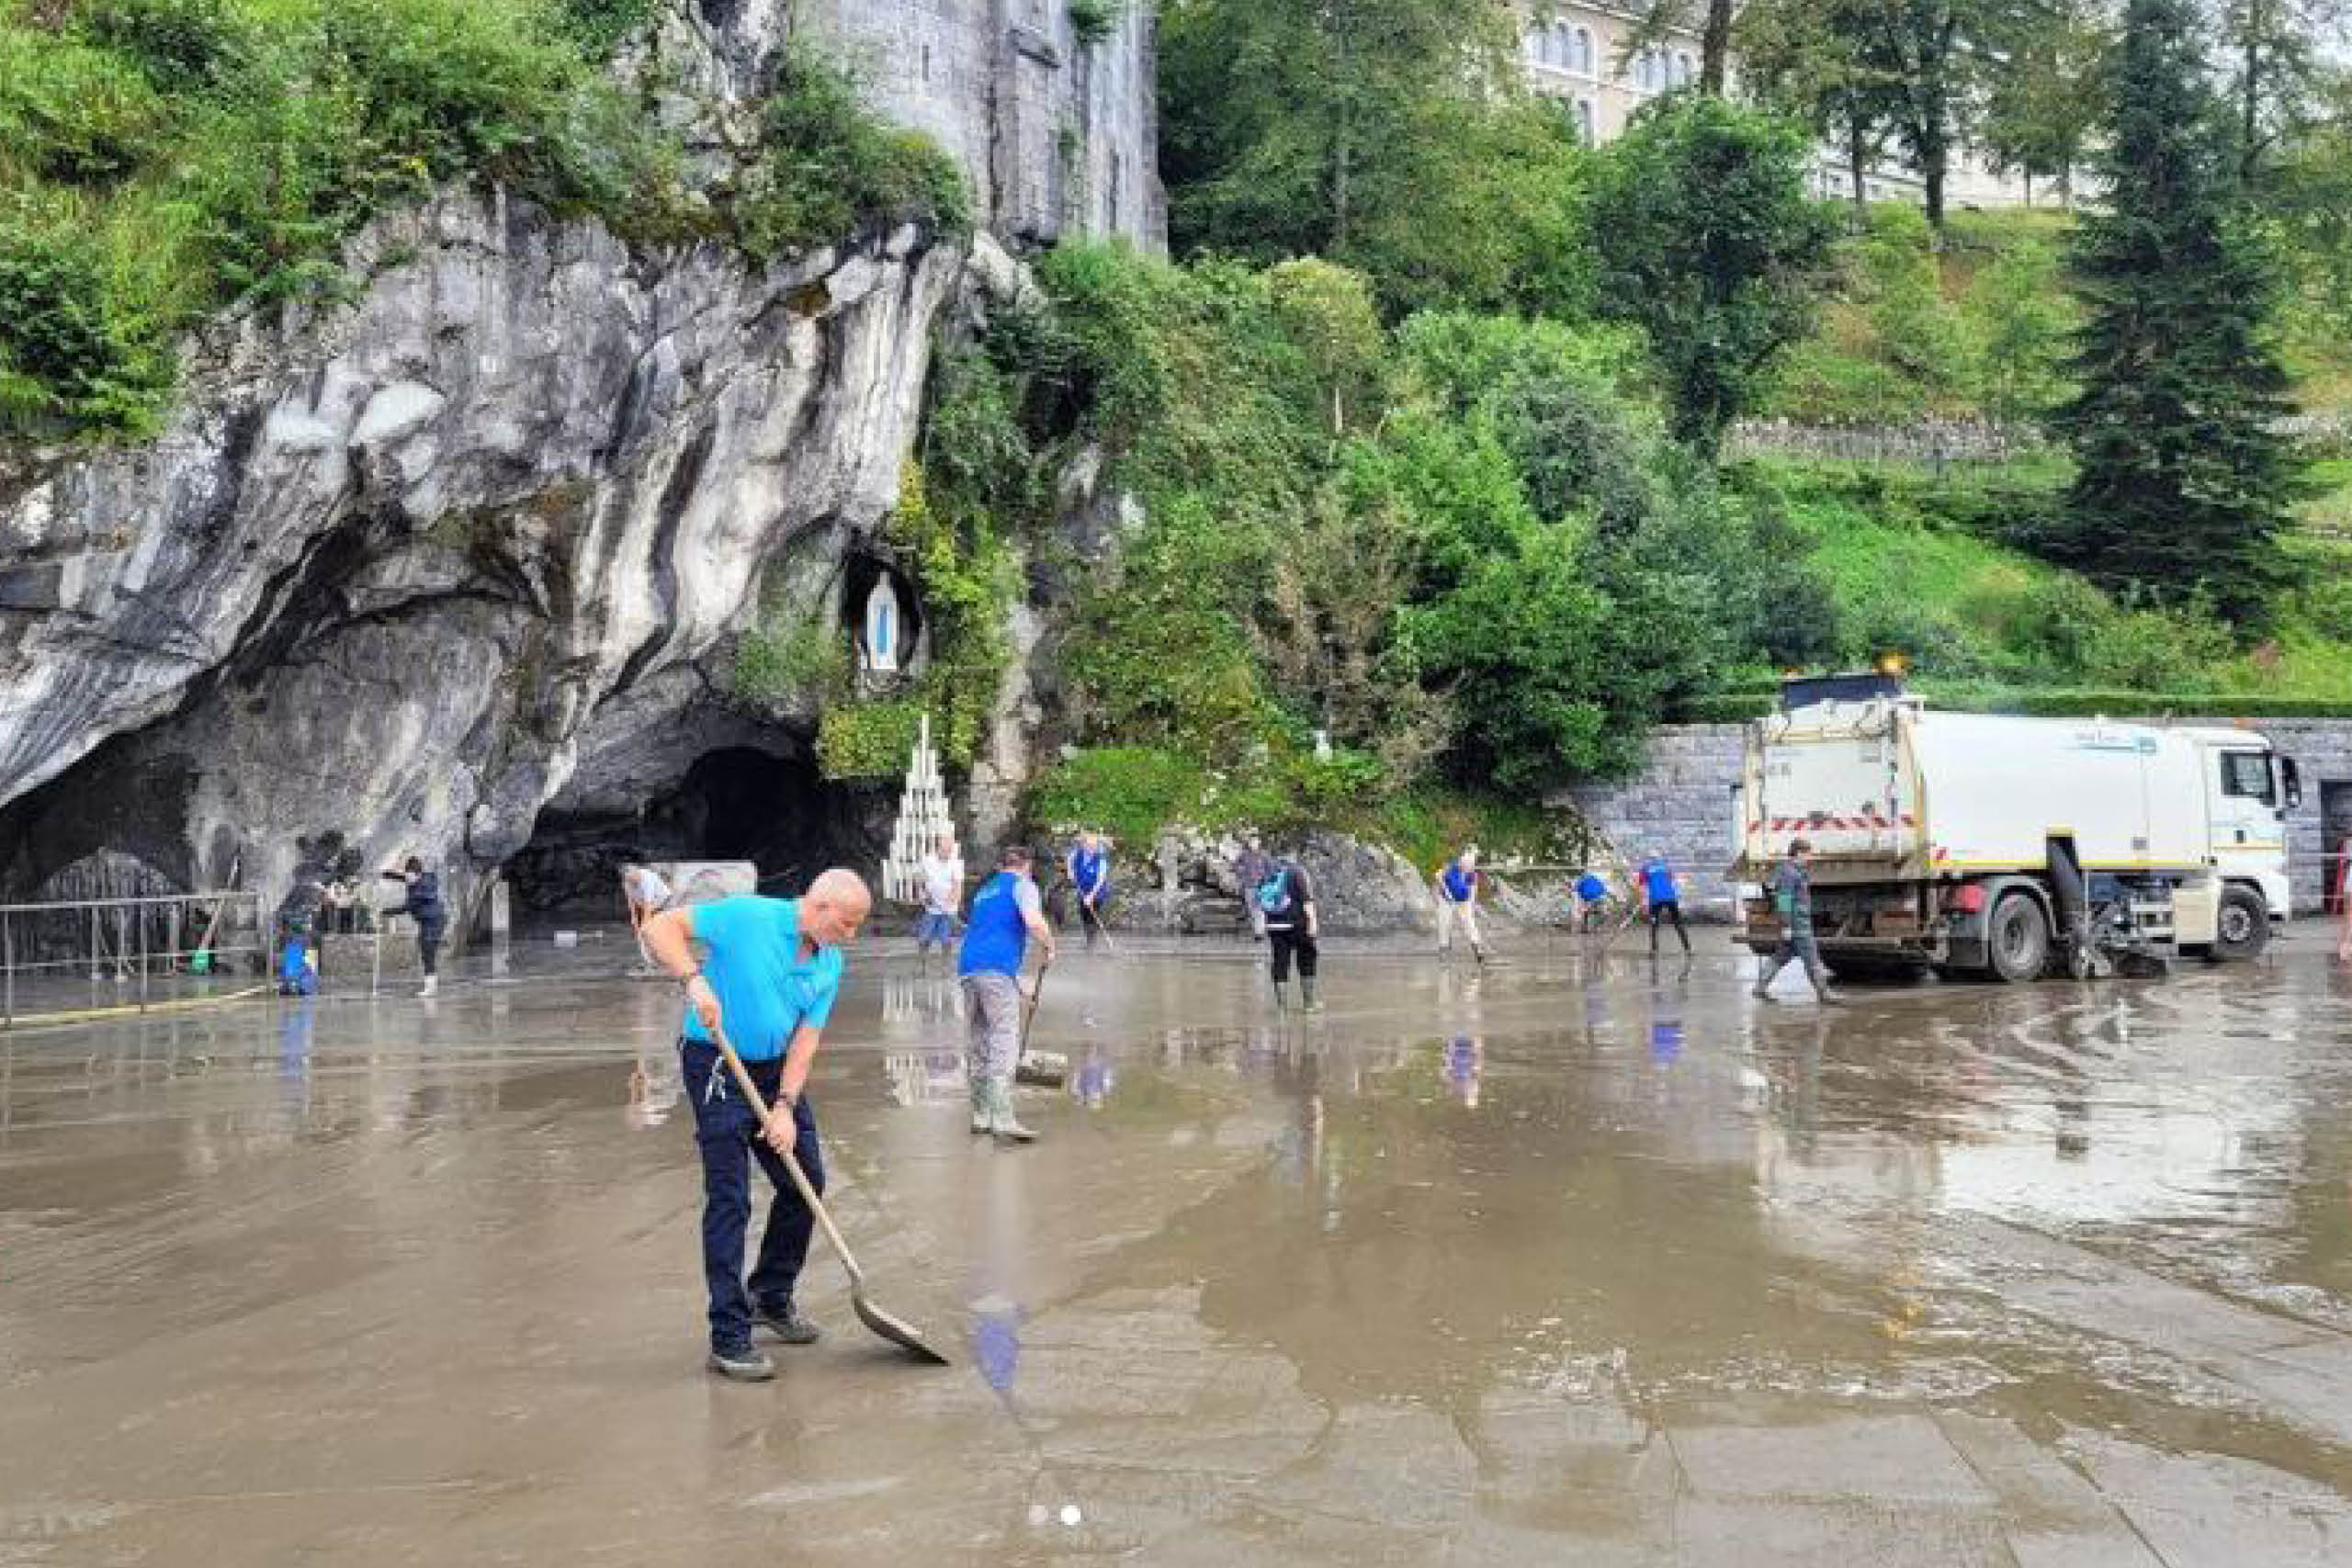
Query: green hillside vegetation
x=163 y=159
x=1975 y=326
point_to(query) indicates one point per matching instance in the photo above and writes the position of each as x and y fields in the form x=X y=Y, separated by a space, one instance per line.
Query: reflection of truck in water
x=2011 y=847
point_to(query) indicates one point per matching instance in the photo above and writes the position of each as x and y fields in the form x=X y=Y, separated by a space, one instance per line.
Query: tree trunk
x=1857 y=158
x=1343 y=131
x=1933 y=173
x=1714 y=47
x=2249 y=107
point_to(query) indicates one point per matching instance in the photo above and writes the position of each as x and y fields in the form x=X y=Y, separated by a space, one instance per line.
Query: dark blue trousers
x=727 y=1131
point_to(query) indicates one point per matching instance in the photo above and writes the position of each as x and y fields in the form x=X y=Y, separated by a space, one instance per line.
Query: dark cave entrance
x=734 y=803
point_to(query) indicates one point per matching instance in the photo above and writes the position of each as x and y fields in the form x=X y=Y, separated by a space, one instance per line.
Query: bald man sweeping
x=772 y=969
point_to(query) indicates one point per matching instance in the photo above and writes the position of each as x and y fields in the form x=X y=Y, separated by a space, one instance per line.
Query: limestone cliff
x=417 y=566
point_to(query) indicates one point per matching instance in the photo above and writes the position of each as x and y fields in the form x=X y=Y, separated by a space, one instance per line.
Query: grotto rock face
x=397 y=570
x=476 y=543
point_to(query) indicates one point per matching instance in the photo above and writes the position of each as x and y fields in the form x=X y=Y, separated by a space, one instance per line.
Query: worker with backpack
x=1285 y=897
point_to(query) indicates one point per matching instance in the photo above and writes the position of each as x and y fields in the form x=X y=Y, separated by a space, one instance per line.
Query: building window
x=1582 y=55
x=1535 y=44
x=1682 y=71
x=1584 y=122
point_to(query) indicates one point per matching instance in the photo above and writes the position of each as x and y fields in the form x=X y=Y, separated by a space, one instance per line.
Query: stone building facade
x=1580 y=52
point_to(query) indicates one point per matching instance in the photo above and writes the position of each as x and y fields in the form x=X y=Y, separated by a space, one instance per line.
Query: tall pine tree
x=2183 y=482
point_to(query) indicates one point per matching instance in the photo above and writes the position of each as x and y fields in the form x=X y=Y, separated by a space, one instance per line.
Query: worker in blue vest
x=1006 y=912
x=1090 y=876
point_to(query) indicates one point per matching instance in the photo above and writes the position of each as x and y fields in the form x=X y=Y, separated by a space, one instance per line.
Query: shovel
x=1047 y=1070
x=897 y=1330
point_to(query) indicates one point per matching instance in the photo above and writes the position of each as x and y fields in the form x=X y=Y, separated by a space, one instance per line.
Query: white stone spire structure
x=922 y=819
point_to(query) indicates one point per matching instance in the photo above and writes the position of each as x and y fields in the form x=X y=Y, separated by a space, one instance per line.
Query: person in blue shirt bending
x=1006 y=912
x=1089 y=874
x=771 y=971
x=1457 y=883
x=1663 y=897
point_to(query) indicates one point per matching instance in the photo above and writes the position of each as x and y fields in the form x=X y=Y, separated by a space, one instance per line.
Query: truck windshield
x=2247 y=773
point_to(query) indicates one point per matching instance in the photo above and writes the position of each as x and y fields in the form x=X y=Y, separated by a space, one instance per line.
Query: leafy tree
x=2041 y=101
x=1708 y=241
x=2183 y=484
x=1806 y=59
x=2278 y=71
x=1392 y=136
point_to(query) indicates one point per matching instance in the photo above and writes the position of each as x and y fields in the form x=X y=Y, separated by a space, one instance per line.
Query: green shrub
x=72 y=113
x=828 y=164
x=1093 y=21
x=791 y=666
x=181 y=45
x=599 y=27
x=1128 y=792
x=74 y=351
x=867 y=740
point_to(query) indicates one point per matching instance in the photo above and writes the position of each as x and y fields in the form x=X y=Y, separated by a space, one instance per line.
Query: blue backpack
x=1273 y=893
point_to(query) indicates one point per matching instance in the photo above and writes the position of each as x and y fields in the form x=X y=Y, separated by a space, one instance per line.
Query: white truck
x=1978 y=844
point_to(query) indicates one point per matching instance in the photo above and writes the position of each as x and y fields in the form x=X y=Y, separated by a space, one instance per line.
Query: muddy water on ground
x=1582 y=1258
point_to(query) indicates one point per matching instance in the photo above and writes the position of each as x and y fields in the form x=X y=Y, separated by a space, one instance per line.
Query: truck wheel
x=2245 y=927
x=2017 y=939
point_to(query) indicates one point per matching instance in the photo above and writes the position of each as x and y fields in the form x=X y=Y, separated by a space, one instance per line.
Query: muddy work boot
x=784 y=1320
x=1307 y=991
x=1003 y=1121
x=743 y=1363
x=1282 y=996
x=431 y=985
x=982 y=1121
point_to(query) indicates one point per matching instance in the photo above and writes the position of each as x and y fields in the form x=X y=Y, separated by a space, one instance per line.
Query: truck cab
x=2249 y=789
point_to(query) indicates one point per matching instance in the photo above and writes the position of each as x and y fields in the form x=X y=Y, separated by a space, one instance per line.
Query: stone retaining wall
x=1680 y=804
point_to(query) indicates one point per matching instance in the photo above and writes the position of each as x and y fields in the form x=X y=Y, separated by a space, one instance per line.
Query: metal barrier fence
x=125 y=940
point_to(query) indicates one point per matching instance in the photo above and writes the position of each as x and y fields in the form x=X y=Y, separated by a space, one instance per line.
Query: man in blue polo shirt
x=771 y=970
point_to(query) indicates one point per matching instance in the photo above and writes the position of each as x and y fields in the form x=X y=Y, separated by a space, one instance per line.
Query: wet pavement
x=1583 y=1260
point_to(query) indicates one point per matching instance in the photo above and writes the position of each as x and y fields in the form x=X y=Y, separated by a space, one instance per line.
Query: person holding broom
x=772 y=969
x=1006 y=912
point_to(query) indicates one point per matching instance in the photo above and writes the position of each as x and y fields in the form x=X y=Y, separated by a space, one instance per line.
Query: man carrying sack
x=772 y=969
x=1006 y=912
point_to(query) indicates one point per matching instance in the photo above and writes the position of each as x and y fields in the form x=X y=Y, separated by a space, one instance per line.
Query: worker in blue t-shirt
x=1457 y=883
x=1592 y=899
x=1664 y=898
x=771 y=971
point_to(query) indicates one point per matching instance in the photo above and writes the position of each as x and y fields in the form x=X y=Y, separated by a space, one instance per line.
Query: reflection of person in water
x=1666 y=1017
x=1095 y=1078
x=996 y=1342
x=1465 y=1061
x=652 y=1091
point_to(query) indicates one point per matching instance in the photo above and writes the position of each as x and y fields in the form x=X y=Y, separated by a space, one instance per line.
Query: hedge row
x=1735 y=707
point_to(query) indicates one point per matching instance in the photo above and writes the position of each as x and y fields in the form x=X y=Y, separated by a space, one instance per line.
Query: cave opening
x=774 y=809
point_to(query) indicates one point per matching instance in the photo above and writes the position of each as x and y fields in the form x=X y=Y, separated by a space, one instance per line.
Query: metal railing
x=125 y=940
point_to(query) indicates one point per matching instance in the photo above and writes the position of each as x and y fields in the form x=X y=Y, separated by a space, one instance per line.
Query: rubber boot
x=1001 y=1120
x=983 y=1109
x=1282 y=996
x=432 y=985
x=1307 y=991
